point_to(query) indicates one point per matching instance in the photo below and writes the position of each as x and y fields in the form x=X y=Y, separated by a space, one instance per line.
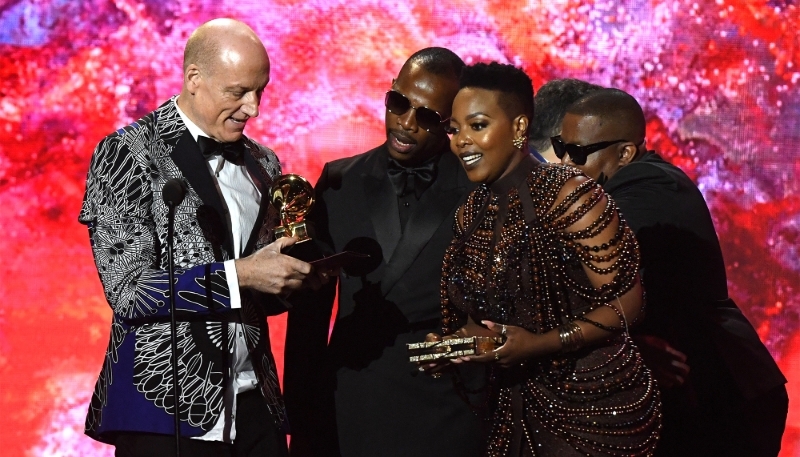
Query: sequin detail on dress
x=514 y=263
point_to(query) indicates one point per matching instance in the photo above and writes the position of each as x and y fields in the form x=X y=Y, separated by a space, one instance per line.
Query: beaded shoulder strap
x=472 y=216
x=528 y=209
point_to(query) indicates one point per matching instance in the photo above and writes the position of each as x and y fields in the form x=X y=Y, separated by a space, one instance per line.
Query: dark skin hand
x=519 y=346
x=667 y=363
x=522 y=345
x=471 y=329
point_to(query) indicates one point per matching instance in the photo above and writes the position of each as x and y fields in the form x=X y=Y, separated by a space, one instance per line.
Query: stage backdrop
x=718 y=80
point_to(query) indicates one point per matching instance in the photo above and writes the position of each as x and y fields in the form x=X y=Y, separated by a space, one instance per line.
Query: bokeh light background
x=718 y=80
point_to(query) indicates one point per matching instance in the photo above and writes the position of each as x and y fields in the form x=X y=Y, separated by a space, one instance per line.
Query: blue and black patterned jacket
x=127 y=221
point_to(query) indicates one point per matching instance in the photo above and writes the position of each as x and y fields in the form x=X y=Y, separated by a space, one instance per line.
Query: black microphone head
x=369 y=247
x=173 y=192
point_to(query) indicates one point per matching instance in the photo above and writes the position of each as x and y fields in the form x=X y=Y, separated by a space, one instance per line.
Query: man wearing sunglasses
x=733 y=400
x=550 y=104
x=400 y=199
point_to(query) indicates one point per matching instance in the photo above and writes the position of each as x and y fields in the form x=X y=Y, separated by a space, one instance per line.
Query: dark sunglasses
x=427 y=118
x=578 y=153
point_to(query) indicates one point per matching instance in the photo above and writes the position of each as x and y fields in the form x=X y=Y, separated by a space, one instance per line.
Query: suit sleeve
x=638 y=190
x=308 y=386
x=118 y=209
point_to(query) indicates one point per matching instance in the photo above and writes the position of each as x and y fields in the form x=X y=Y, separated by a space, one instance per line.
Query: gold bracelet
x=571 y=337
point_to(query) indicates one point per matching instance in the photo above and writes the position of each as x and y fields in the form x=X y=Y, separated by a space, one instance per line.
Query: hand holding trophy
x=269 y=269
x=293 y=197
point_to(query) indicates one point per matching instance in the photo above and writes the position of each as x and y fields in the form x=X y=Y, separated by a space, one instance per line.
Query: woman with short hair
x=542 y=257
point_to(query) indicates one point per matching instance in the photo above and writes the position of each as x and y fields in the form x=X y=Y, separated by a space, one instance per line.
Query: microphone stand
x=176 y=389
x=172 y=198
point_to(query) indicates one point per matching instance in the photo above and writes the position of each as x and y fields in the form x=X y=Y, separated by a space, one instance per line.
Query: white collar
x=191 y=126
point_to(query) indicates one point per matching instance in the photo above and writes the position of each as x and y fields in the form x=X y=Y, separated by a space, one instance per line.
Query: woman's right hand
x=469 y=329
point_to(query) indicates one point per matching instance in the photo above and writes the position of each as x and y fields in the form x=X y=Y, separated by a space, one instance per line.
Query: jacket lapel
x=437 y=203
x=264 y=185
x=382 y=203
x=187 y=157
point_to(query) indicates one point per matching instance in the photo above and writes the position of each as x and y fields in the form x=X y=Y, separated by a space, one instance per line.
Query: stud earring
x=519 y=142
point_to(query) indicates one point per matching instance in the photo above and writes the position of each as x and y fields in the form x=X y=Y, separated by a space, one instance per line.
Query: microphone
x=173 y=192
x=365 y=246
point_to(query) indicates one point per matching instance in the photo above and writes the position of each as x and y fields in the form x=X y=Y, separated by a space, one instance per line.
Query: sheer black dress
x=516 y=261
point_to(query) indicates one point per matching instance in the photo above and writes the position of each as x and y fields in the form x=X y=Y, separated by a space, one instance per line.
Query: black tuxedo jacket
x=383 y=405
x=686 y=286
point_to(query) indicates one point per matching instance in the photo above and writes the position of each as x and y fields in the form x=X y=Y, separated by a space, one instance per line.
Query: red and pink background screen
x=718 y=79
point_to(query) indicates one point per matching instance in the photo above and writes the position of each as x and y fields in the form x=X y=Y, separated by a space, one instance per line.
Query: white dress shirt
x=242 y=199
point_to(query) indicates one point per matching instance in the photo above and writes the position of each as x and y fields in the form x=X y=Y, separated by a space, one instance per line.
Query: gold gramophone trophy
x=292 y=196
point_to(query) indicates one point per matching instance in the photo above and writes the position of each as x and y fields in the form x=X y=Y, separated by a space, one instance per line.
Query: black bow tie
x=231 y=152
x=406 y=179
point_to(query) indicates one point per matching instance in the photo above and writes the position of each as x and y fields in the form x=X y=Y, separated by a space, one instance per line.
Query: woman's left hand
x=520 y=345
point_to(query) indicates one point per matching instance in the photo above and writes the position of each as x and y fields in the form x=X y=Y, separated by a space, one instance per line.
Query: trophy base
x=298 y=230
x=452 y=348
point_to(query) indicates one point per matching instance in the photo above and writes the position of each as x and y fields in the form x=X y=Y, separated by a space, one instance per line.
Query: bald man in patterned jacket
x=228 y=269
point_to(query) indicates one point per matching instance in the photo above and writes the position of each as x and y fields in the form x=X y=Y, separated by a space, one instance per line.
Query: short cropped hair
x=515 y=87
x=438 y=61
x=614 y=106
x=550 y=105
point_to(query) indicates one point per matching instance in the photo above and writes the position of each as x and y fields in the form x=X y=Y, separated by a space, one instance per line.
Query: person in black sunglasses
x=550 y=104
x=723 y=394
x=396 y=201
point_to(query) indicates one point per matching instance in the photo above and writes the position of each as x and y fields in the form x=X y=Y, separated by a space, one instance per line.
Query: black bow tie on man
x=408 y=179
x=231 y=152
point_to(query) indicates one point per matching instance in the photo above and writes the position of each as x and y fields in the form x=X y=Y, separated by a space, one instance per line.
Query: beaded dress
x=514 y=263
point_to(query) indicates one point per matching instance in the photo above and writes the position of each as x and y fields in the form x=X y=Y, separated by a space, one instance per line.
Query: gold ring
x=436 y=375
x=496 y=356
x=503 y=331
